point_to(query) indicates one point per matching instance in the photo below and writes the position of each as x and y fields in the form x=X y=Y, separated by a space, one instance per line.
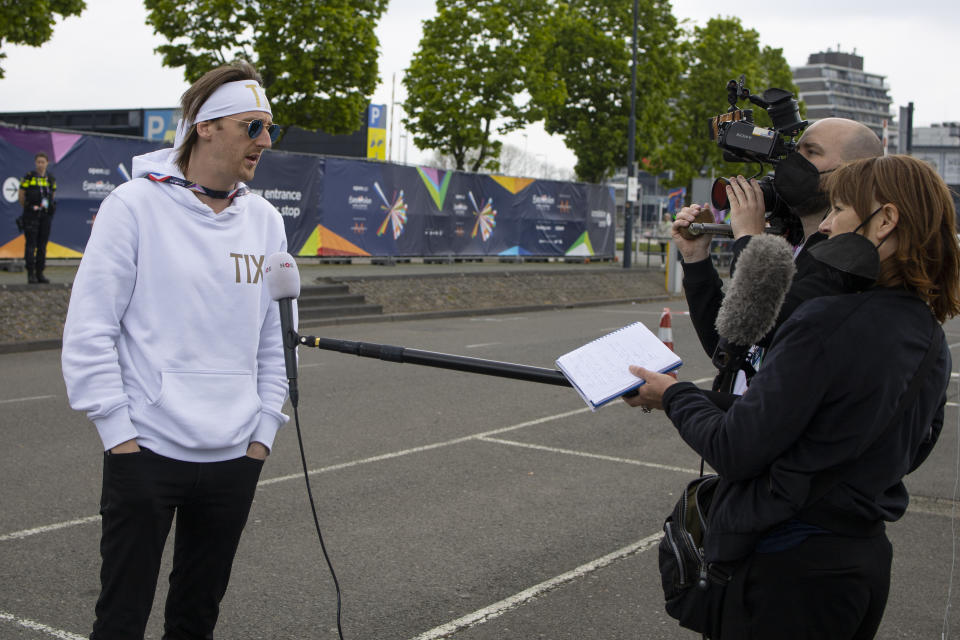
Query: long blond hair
x=194 y=97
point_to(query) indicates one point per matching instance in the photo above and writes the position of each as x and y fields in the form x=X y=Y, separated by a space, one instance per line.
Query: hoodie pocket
x=208 y=409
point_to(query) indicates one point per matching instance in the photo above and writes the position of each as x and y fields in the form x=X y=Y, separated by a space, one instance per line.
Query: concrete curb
x=41 y=345
x=469 y=274
x=452 y=313
x=30 y=345
x=36 y=287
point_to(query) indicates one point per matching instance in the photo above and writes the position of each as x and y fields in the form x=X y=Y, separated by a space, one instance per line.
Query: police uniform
x=39 y=205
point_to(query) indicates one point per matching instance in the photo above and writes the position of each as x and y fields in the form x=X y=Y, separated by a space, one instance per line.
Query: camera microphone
x=282 y=278
x=749 y=310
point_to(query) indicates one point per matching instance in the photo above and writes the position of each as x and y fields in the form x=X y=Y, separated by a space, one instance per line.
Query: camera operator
x=824 y=146
x=855 y=385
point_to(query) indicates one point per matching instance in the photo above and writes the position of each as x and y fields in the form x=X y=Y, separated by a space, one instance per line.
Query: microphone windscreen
x=764 y=272
x=282 y=276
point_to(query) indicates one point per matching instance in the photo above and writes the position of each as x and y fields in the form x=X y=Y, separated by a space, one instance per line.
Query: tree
x=582 y=82
x=30 y=22
x=317 y=57
x=467 y=79
x=715 y=54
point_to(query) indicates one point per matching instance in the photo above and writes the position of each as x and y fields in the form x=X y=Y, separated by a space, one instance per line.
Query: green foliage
x=30 y=22
x=713 y=55
x=496 y=65
x=317 y=57
x=467 y=79
x=582 y=83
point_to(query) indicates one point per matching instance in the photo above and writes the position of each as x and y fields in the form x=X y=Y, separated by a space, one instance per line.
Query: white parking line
x=482 y=344
x=597 y=456
x=26 y=533
x=499 y=608
x=42 y=628
x=427 y=447
x=16 y=535
x=27 y=399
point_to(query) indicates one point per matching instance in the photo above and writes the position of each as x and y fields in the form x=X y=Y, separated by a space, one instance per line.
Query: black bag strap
x=826 y=481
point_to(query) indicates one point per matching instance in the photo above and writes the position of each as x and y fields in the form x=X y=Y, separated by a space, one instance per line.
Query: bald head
x=830 y=142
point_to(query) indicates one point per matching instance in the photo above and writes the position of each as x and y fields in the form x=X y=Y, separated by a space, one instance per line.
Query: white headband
x=229 y=98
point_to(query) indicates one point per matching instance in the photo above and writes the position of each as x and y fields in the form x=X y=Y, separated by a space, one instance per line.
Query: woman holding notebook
x=811 y=459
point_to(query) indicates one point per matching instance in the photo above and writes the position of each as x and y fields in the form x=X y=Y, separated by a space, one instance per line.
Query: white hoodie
x=171 y=337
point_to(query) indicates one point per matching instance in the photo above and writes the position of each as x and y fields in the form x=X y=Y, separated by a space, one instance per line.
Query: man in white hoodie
x=172 y=346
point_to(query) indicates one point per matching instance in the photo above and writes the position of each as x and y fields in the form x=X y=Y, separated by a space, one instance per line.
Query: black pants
x=141 y=493
x=827 y=588
x=36 y=234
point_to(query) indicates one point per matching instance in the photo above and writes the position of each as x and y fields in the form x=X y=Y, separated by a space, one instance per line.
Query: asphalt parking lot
x=453 y=505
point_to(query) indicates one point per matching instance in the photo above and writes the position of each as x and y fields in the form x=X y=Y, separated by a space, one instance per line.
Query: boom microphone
x=749 y=310
x=283 y=282
x=393 y=353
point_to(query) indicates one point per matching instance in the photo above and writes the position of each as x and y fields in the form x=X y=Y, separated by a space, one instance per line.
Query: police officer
x=37 y=191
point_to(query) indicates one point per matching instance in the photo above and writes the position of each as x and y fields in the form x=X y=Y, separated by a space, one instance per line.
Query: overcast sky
x=104 y=58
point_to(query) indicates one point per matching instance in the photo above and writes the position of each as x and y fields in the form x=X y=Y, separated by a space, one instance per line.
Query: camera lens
x=718 y=193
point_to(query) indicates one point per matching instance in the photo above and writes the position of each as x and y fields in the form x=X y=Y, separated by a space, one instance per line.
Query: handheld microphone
x=283 y=282
x=749 y=310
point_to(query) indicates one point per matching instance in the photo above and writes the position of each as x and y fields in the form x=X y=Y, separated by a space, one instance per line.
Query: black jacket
x=829 y=384
x=36 y=188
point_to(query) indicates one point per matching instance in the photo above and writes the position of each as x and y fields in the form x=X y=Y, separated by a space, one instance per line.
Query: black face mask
x=797 y=182
x=852 y=255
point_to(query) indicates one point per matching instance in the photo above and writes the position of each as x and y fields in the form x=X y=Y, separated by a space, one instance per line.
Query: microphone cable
x=282 y=280
x=316 y=521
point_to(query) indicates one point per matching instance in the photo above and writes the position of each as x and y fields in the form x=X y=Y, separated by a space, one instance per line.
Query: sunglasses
x=255 y=128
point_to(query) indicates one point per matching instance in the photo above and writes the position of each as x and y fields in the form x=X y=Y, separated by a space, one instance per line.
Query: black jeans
x=828 y=588
x=36 y=234
x=141 y=493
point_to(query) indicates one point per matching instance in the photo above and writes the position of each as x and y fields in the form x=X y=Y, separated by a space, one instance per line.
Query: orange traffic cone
x=665 y=333
x=666 y=328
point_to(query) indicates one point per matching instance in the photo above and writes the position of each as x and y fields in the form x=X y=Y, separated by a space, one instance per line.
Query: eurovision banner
x=376 y=209
x=291 y=182
x=87 y=169
x=332 y=207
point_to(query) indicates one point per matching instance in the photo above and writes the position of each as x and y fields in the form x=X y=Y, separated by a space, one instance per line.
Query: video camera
x=743 y=141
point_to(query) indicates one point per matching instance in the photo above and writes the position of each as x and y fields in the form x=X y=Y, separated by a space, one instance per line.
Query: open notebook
x=599 y=370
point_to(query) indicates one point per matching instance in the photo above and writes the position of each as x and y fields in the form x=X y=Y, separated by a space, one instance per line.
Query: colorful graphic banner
x=87 y=169
x=291 y=182
x=372 y=209
x=333 y=207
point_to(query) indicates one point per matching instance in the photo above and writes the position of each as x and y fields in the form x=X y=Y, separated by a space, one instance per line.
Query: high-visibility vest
x=38 y=188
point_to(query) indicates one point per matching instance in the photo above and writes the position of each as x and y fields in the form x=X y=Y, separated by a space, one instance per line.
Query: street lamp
x=631 y=151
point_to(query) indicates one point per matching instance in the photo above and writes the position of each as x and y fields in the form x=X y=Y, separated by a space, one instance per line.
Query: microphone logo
x=281 y=265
